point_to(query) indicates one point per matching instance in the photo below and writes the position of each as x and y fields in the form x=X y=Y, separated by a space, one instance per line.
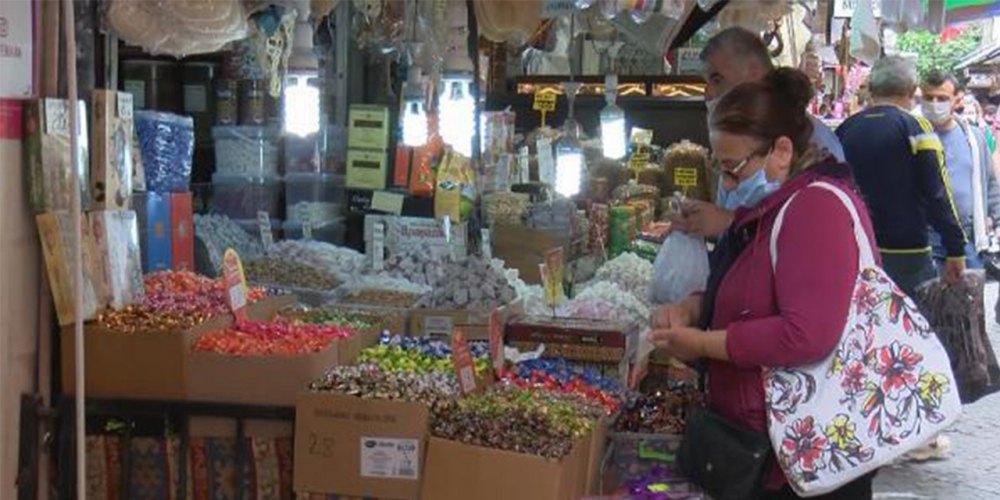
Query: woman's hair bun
x=793 y=84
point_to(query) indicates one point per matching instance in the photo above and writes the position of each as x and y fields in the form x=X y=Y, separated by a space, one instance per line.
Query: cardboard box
x=439 y=323
x=366 y=169
x=574 y=338
x=595 y=457
x=268 y=380
x=368 y=127
x=47 y=155
x=111 y=163
x=404 y=233
x=181 y=232
x=56 y=236
x=360 y=447
x=144 y=364
x=116 y=236
x=154 y=231
x=458 y=471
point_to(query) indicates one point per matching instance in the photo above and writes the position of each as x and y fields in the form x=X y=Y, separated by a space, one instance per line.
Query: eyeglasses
x=733 y=172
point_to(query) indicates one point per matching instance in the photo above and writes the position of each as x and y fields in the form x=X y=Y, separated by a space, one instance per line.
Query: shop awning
x=983 y=55
x=957 y=11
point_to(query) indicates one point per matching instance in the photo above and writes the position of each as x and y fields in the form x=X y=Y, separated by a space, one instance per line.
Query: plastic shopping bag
x=957 y=315
x=680 y=269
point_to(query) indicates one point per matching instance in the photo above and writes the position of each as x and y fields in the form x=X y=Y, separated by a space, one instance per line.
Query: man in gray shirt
x=731 y=57
x=969 y=165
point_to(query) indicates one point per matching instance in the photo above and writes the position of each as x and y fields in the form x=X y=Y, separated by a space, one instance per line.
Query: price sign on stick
x=235 y=283
x=544 y=102
x=487 y=244
x=553 y=277
x=496 y=342
x=264 y=221
x=378 y=246
x=461 y=358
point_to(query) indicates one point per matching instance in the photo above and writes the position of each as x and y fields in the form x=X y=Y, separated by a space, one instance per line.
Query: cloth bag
x=886 y=389
x=959 y=319
x=680 y=269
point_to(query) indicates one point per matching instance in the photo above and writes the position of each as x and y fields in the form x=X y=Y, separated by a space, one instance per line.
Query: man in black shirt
x=899 y=165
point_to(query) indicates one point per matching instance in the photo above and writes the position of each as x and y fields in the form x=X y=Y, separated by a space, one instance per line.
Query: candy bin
x=249 y=150
x=241 y=197
x=328 y=232
x=318 y=199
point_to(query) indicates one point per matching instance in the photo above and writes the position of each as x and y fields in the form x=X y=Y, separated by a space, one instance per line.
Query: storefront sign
x=16 y=49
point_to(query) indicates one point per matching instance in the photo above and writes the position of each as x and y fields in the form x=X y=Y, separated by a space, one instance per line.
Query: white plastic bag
x=680 y=269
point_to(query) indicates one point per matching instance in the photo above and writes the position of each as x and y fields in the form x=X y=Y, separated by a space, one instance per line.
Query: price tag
x=546 y=163
x=235 y=283
x=307 y=230
x=378 y=246
x=524 y=165
x=686 y=177
x=447 y=228
x=545 y=101
x=487 y=244
x=387 y=202
x=639 y=159
x=461 y=359
x=56 y=117
x=125 y=107
x=264 y=222
x=496 y=342
x=553 y=277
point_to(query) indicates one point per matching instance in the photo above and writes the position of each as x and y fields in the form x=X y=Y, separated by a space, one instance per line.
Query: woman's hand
x=690 y=344
x=679 y=315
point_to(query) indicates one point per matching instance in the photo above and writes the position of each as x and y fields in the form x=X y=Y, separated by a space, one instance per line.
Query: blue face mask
x=747 y=193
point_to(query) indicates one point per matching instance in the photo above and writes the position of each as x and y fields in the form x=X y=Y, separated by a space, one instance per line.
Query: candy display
x=174 y=300
x=422 y=266
x=317 y=198
x=167 y=144
x=630 y=272
x=508 y=418
x=435 y=389
x=504 y=207
x=560 y=376
x=340 y=261
x=419 y=354
x=471 y=284
x=605 y=300
x=663 y=411
x=217 y=233
x=557 y=216
x=249 y=151
x=662 y=483
x=386 y=298
x=354 y=320
x=272 y=271
x=276 y=337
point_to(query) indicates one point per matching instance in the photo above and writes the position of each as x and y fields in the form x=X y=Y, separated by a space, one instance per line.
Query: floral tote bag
x=886 y=388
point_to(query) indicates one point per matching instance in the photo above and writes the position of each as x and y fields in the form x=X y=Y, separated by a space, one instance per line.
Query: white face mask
x=937 y=112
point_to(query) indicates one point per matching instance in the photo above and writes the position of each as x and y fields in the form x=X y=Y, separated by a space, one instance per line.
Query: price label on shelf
x=236 y=284
x=264 y=222
x=487 y=244
x=378 y=246
x=461 y=358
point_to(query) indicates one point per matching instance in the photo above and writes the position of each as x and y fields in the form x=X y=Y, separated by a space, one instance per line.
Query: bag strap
x=866 y=259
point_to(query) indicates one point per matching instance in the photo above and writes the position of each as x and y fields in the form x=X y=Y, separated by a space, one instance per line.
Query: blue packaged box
x=154 y=230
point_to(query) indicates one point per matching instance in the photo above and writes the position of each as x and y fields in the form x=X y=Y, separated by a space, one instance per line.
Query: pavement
x=972 y=472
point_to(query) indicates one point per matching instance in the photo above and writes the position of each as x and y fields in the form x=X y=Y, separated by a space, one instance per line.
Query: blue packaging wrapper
x=166 y=141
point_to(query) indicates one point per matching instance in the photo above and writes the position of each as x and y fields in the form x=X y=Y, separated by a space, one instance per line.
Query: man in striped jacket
x=898 y=164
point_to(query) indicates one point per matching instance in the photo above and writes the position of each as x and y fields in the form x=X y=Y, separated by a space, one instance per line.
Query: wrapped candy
x=662 y=412
x=419 y=355
x=605 y=300
x=367 y=381
x=277 y=337
x=217 y=233
x=471 y=284
x=272 y=271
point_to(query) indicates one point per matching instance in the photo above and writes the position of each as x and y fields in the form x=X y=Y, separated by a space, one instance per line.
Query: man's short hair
x=740 y=43
x=938 y=77
x=893 y=76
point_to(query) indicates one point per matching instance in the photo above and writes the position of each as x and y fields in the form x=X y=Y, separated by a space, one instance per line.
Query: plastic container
x=153 y=83
x=332 y=232
x=304 y=154
x=246 y=151
x=166 y=142
x=199 y=98
x=317 y=198
x=253 y=227
x=631 y=456
x=241 y=197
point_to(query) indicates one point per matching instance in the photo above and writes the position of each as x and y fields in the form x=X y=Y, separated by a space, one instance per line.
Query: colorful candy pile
x=561 y=377
x=369 y=382
x=419 y=355
x=348 y=319
x=175 y=300
x=663 y=411
x=279 y=336
x=508 y=418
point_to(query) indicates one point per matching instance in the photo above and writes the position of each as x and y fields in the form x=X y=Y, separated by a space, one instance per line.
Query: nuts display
x=272 y=271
